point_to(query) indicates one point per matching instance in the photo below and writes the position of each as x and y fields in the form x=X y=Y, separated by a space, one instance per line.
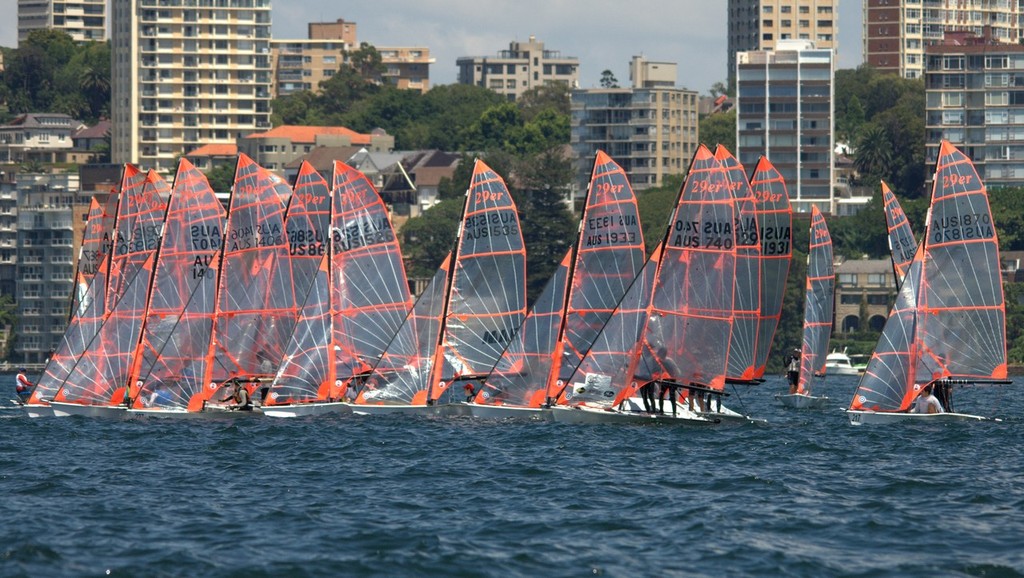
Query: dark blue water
x=805 y=495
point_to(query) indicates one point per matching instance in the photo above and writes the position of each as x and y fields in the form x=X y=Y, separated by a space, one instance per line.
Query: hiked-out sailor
x=793 y=370
x=23 y=387
x=240 y=395
x=926 y=402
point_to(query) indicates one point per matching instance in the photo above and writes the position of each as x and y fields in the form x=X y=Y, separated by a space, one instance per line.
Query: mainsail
x=96 y=241
x=902 y=244
x=949 y=321
x=369 y=290
x=818 y=303
x=687 y=321
x=171 y=358
x=747 y=297
x=85 y=320
x=576 y=304
x=101 y=374
x=774 y=226
x=469 y=312
x=256 y=308
x=306 y=371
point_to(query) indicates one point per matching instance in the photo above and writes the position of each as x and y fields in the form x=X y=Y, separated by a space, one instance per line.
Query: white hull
x=487 y=411
x=182 y=413
x=304 y=409
x=801 y=401
x=588 y=415
x=448 y=409
x=34 y=410
x=62 y=409
x=872 y=417
x=841 y=370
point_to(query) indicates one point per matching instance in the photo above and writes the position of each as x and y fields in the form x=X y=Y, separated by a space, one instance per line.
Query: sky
x=601 y=33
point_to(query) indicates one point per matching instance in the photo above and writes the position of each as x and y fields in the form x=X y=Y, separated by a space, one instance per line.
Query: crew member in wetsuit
x=793 y=370
x=23 y=387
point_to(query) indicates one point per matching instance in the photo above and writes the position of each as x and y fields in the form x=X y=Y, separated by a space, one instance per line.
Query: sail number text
x=963 y=227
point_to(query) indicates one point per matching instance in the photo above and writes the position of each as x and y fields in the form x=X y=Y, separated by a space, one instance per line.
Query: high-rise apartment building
x=187 y=74
x=974 y=93
x=760 y=24
x=304 y=64
x=523 y=66
x=897 y=32
x=785 y=105
x=49 y=211
x=84 y=20
x=650 y=130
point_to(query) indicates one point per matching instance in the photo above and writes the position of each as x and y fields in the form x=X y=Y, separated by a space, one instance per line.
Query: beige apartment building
x=897 y=32
x=304 y=64
x=650 y=129
x=761 y=24
x=186 y=74
x=785 y=104
x=84 y=20
x=523 y=66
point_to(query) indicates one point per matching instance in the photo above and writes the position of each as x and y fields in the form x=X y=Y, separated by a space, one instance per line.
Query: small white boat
x=839 y=363
x=883 y=417
x=515 y=412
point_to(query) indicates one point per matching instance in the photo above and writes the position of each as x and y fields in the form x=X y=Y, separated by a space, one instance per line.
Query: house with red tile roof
x=277 y=147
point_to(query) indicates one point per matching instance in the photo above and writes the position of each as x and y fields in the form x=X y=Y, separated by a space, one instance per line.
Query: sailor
x=648 y=396
x=23 y=386
x=241 y=397
x=470 y=391
x=793 y=370
x=926 y=402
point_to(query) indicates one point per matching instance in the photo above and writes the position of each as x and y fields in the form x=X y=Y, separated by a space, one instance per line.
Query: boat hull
x=801 y=401
x=841 y=370
x=63 y=409
x=36 y=410
x=444 y=410
x=304 y=409
x=486 y=411
x=878 y=417
x=588 y=415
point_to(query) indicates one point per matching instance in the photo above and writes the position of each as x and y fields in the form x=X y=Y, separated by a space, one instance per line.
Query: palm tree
x=874 y=152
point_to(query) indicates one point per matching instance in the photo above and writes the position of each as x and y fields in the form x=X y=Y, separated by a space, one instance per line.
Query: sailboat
x=687 y=322
x=96 y=242
x=775 y=229
x=167 y=377
x=948 y=325
x=256 y=310
x=818 y=305
x=87 y=316
x=902 y=244
x=584 y=291
x=359 y=299
x=97 y=384
x=466 y=317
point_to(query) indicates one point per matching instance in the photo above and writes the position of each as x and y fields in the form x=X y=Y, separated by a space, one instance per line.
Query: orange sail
x=171 y=358
x=87 y=317
x=307 y=370
x=256 y=308
x=747 y=292
x=100 y=376
x=949 y=321
x=818 y=303
x=902 y=244
x=469 y=312
x=369 y=290
x=687 y=321
x=579 y=299
x=775 y=229
x=96 y=242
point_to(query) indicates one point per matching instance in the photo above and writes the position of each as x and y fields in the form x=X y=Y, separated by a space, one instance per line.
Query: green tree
x=873 y=156
x=608 y=79
x=221 y=178
x=367 y=62
x=719 y=128
x=427 y=239
x=719 y=88
x=297 y=108
x=541 y=99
